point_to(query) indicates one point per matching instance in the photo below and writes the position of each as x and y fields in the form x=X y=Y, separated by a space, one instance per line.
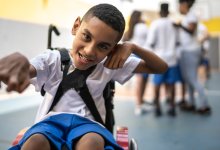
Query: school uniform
x=139 y=38
x=162 y=39
x=190 y=56
x=70 y=118
x=201 y=32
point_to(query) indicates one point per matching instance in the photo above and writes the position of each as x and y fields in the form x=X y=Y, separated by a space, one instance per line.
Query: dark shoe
x=150 y=103
x=171 y=112
x=168 y=100
x=158 y=112
x=204 y=111
x=187 y=107
x=208 y=75
x=181 y=103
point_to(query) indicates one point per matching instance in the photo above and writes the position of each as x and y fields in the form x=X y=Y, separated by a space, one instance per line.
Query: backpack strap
x=76 y=80
x=108 y=95
x=65 y=64
x=88 y=100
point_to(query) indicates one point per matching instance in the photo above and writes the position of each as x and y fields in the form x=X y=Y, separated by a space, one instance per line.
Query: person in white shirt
x=70 y=124
x=137 y=33
x=190 y=56
x=204 y=40
x=162 y=39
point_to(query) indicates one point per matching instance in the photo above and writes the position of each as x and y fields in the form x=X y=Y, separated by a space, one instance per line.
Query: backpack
x=80 y=86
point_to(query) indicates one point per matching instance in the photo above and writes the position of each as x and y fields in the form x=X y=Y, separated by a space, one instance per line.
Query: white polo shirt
x=163 y=35
x=49 y=72
x=188 y=42
x=140 y=34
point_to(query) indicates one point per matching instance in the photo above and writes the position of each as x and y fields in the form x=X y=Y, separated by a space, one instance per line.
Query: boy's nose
x=90 y=50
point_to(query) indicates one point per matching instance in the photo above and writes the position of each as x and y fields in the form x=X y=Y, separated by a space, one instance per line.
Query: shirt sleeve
x=47 y=66
x=192 y=18
x=127 y=71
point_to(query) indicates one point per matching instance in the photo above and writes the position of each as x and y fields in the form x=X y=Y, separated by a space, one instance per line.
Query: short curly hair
x=109 y=14
x=190 y=2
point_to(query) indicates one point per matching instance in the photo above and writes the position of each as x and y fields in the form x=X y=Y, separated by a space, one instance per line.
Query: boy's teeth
x=84 y=58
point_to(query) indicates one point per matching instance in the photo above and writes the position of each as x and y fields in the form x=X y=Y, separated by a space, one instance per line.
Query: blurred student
x=203 y=39
x=162 y=40
x=190 y=57
x=137 y=33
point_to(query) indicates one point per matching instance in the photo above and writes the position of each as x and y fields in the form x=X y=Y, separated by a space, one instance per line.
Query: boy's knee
x=37 y=141
x=90 y=141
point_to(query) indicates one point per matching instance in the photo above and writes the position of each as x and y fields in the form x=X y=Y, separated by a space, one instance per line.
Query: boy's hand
x=14 y=72
x=118 y=56
x=177 y=24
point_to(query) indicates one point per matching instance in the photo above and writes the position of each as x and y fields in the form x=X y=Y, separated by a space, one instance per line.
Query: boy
x=190 y=56
x=70 y=124
x=165 y=47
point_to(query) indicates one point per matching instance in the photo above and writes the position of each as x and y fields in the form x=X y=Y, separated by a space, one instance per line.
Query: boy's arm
x=150 y=63
x=16 y=71
x=190 y=29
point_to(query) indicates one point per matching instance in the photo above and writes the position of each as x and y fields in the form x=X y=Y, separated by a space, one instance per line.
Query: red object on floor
x=122 y=137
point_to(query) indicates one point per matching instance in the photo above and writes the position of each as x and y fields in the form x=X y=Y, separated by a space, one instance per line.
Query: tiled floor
x=186 y=131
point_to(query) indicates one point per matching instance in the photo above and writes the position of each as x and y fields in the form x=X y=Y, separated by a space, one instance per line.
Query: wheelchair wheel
x=133 y=144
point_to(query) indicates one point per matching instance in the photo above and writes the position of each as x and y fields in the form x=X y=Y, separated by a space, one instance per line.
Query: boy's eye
x=103 y=47
x=86 y=37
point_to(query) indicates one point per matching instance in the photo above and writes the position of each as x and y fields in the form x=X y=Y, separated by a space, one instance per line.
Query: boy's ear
x=76 y=25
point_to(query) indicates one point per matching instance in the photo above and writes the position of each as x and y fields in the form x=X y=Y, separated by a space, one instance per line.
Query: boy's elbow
x=164 y=67
x=160 y=69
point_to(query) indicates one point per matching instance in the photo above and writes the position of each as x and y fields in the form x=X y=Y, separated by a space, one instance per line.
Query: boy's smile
x=93 y=41
x=84 y=59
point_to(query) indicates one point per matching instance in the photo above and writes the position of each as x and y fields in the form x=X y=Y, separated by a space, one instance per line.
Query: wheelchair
x=122 y=132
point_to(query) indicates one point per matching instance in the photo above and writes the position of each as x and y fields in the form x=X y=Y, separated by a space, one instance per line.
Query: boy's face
x=93 y=41
x=183 y=8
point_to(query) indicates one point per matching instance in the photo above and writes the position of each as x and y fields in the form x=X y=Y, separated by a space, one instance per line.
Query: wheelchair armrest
x=133 y=144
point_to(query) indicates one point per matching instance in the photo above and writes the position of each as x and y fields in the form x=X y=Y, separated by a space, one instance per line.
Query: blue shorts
x=145 y=75
x=204 y=61
x=66 y=129
x=171 y=76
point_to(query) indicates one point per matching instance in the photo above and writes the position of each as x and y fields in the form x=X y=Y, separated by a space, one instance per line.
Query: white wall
x=207 y=8
x=28 y=38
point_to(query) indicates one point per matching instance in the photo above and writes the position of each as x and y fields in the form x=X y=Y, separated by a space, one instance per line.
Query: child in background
x=137 y=33
x=162 y=39
x=203 y=39
x=190 y=56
